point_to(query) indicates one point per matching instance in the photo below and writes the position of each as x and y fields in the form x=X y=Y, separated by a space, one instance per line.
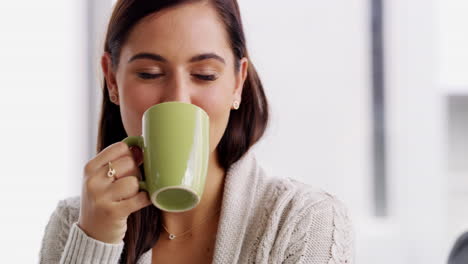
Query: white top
x=263 y=219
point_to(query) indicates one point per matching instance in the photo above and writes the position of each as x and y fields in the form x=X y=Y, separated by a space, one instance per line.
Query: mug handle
x=136 y=141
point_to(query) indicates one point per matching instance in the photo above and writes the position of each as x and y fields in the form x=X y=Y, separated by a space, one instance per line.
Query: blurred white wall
x=453 y=43
x=43 y=122
x=417 y=182
x=313 y=57
x=453 y=84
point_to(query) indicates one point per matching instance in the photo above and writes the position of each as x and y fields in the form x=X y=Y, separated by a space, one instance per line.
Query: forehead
x=179 y=31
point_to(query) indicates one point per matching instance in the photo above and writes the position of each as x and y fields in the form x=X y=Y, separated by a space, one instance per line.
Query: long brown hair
x=245 y=126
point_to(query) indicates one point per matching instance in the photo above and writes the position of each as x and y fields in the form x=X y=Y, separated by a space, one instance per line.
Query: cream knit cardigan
x=263 y=220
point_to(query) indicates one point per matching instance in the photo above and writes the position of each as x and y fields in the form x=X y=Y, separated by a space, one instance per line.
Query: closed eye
x=148 y=76
x=203 y=77
x=210 y=77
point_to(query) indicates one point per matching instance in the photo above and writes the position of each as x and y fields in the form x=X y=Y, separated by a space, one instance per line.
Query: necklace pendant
x=172 y=236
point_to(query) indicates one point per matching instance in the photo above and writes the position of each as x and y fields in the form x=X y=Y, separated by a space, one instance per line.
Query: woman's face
x=178 y=54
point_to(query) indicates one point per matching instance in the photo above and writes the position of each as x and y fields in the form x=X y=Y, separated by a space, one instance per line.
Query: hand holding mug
x=106 y=202
x=175 y=150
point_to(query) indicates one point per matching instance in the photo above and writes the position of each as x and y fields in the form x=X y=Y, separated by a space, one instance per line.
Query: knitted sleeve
x=322 y=234
x=65 y=242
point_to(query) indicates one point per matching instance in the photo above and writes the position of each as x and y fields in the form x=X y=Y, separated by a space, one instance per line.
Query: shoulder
x=285 y=197
x=57 y=229
x=69 y=204
x=290 y=221
x=309 y=205
x=301 y=196
x=68 y=209
x=313 y=223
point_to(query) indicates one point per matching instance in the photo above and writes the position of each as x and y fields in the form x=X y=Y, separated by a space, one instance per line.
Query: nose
x=177 y=90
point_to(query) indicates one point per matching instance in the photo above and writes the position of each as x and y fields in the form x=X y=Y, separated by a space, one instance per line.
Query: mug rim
x=155 y=194
x=176 y=102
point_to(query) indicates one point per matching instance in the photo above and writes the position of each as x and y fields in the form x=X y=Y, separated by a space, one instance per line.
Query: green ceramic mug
x=175 y=146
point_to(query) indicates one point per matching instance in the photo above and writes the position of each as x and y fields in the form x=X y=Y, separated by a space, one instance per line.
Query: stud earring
x=235 y=105
x=113 y=98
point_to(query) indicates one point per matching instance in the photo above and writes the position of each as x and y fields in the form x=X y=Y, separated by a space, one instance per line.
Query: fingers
x=123 y=166
x=97 y=181
x=111 y=153
x=123 y=188
x=135 y=203
x=108 y=201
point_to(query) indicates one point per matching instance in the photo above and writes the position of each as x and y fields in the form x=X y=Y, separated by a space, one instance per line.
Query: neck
x=210 y=203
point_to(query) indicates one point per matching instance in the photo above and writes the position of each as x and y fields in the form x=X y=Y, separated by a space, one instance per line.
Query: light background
x=314 y=60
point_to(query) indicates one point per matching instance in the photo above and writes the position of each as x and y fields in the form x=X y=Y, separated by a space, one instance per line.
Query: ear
x=109 y=75
x=241 y=76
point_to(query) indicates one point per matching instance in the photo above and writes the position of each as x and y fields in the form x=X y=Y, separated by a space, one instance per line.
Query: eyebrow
x=146 y=55
x=206 y=56
x=157 y=57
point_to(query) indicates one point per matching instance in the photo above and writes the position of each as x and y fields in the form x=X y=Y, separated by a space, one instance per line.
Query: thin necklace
x=173 y=236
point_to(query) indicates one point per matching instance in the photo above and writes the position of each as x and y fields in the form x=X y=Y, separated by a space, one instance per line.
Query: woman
x=193 y=52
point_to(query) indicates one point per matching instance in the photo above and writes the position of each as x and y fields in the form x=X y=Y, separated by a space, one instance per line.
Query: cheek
x=135 y=100
x=217 y=106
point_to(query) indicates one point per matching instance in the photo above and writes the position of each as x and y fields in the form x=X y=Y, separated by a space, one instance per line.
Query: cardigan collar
x=238 y=199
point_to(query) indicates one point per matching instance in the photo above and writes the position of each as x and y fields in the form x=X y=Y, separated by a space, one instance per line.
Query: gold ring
x=111 y=172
